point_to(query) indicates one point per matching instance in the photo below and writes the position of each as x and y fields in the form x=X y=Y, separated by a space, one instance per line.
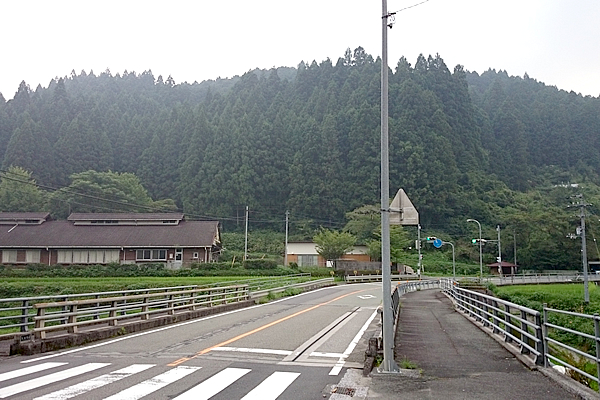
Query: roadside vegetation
x=567 y=297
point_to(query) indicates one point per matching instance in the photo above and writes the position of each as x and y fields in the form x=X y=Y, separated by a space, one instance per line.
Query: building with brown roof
x=103 y=238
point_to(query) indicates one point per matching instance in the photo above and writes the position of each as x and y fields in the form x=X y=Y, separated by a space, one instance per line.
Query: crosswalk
x=270 y=388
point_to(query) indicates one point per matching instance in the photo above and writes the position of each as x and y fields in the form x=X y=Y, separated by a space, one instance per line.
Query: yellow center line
x=243 y=335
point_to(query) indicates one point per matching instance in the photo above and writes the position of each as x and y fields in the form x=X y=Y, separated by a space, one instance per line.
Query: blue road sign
x=437 y=243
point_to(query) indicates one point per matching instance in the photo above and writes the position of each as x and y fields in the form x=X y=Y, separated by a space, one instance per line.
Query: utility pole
x=285 y=258
x=499 y=252
x=388 y=364
x=246 y=237
x=419 y=246
x=581 y=233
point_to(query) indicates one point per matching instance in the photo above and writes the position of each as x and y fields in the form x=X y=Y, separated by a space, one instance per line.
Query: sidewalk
x=456 y=360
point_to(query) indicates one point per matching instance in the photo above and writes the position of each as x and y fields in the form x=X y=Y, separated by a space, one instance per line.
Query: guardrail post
x=39 y=324
x=545 y=334
x=72 y=319
x=113 y=314
x=170 y=304
x=524 y=329
x=597 y=333
x=145 y=314
x=497 y=317
x=25 y=316
x=539 y=334
x=507 y=323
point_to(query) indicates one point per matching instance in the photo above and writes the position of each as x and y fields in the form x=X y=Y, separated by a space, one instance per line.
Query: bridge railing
x=18 y=315
x=568 y=323
x=51 y=316
x=519 y=325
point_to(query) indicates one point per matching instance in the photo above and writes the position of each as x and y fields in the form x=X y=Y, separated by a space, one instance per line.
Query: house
x=102 y=238
x=305 y=254
x=502 y=268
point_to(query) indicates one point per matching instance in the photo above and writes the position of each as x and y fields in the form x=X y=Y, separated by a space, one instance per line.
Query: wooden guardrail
x=71 y=315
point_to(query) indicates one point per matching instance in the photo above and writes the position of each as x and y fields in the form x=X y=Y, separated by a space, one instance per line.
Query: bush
x=260 y=264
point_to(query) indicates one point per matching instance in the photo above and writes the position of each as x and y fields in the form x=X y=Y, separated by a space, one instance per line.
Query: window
x=195 y=255
x=151 y=255
x=9 y=256
x=32 y=256
x=307 y=260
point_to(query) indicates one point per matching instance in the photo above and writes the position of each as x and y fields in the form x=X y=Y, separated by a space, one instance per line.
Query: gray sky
x=554 y=41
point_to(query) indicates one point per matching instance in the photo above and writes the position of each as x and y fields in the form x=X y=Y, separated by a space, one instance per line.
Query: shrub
x=260 y=264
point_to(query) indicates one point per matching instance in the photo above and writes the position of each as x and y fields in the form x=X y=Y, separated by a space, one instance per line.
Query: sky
x=554 y=41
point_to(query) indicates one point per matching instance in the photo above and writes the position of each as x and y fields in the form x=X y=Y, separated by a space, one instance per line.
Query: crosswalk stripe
x=272 y=387
x=45 y=380
x=95 y=383
x=214 y=384
x=29 y=370
x=151 y=385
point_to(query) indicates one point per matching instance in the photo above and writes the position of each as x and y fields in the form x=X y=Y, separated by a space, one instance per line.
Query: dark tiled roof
x=19 y=216
x=124 y=216
x=64 y=234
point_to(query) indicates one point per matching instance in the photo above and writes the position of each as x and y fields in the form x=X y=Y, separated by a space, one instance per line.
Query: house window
x=195 y=255
x=9 y=256
x=307 y=260
x=32 y=256
x=151 y=255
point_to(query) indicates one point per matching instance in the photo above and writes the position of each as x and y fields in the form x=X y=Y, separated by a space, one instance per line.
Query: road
x=294 y=348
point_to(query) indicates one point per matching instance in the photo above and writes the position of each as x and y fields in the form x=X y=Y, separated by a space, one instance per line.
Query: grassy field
x=568 y=296
x=30 y=287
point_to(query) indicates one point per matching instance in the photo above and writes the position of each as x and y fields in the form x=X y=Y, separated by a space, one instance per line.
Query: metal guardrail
x=265 y=292
x=377 y=278
x=51 y=316
x=528 y=279
x=550 y=343
x=519 y=325
x=17 y=315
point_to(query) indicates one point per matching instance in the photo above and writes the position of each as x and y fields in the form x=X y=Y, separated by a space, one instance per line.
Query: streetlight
x=480 y=244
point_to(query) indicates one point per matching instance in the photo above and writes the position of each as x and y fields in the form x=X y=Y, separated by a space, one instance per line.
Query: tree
x=332 y=245
x=19 y=192
x=93 y=191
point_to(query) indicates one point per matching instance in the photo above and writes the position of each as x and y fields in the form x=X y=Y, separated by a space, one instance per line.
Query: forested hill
x=308 y=139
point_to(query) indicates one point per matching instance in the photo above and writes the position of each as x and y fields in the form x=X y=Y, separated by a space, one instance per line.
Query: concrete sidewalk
x=455 y=359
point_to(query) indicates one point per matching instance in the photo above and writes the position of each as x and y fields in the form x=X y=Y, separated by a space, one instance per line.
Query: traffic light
x=474 y=241
x=498 y=259
x=430 y=239
x=417 y=244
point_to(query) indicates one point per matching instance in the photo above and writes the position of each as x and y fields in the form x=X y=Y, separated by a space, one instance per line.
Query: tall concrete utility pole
x=388 y=364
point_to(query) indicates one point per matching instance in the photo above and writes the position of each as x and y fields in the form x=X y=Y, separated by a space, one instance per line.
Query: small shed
x=502 y=268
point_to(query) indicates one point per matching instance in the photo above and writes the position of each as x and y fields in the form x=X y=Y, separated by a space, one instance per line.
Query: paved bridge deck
x=455 y=359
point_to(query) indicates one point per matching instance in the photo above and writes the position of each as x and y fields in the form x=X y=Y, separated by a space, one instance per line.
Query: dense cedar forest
x=498 y=148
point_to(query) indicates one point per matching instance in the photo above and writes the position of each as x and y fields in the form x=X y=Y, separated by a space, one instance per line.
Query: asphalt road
x=294 y=348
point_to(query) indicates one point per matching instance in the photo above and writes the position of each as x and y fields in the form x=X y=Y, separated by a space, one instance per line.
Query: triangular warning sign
x=402 y=211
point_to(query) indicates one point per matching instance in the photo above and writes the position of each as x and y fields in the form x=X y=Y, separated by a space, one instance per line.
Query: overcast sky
x=554 y=41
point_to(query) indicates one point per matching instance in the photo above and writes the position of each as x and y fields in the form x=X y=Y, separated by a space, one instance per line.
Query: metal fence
x=72 y=315
x=18 y=315
x=542 y=335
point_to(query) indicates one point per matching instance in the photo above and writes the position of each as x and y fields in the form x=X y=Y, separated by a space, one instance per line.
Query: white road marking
x=272 y=387
x=340 y=364
x=248 y=350
x=151 y=385
x=95 y=383
x=366 y=296
x=328 y=355
x=29 y=370
x=214 y=384
x=48 y=379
